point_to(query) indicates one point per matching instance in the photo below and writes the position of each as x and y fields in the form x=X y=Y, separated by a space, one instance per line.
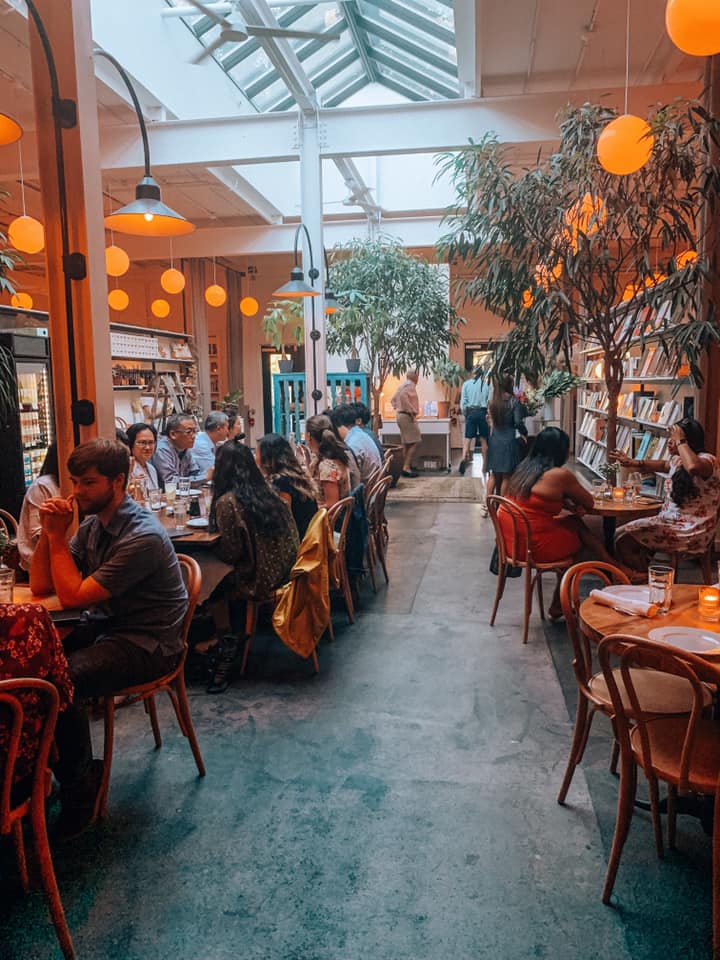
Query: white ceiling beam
x=242 y=188
x=240 y=241
x=468 y=44
x=359 y=190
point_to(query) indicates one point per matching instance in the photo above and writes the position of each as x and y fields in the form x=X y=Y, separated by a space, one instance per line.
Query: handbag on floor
x=510 y=571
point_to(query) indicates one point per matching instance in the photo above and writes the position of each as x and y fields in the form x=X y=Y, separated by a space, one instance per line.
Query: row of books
x=633 y=405
x=643 y=446
x=592 y=454
x=652 y=364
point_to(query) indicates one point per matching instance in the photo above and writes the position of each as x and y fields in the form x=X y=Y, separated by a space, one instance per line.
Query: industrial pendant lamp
x=626 y=143
x=296 y=286
x=25 y=233
x=10 y=130
x=694 y=26
x=147 y=215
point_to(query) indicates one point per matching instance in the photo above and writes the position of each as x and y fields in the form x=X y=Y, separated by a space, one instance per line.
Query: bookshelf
x=654 y=396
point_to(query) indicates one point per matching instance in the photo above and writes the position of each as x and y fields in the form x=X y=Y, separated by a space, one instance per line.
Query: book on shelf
x=643 y=445
x=648 y=362
x=671 y=411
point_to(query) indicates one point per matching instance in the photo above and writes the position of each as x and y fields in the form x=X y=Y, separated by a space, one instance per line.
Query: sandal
x=227 y=655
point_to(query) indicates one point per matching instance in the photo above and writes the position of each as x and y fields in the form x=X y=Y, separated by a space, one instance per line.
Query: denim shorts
x=476 y=423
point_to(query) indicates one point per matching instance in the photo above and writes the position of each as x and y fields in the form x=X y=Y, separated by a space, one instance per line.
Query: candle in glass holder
x=618 y=494
x=709 y=603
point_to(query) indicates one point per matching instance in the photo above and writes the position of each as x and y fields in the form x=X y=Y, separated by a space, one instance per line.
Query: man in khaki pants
x=406 y=405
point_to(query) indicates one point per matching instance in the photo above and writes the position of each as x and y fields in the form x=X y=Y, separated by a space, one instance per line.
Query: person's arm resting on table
x=54 y=567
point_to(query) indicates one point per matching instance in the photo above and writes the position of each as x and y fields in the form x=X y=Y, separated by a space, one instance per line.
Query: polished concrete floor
x=399 y=806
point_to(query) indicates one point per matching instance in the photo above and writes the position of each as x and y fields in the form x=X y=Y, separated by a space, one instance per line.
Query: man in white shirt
x=406 y=405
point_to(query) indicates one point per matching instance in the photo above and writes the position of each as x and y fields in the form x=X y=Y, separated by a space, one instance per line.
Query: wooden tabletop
x=198 y=536
x=23 y=594
x=598 y=621
x=622 y=510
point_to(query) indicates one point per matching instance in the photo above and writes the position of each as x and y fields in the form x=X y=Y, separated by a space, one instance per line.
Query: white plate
x=197 y=522
x=687 y=638
x=637 y=592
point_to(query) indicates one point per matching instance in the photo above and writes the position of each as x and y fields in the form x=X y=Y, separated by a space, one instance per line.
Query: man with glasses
x=173 y=456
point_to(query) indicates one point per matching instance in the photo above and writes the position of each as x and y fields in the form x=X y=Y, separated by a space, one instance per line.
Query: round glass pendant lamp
x=10 y=130
x=249 y=306
x=172 y=280
x=117 y=262
x=215 y=295
x=118 y=299
x=625 y=144
x=160 y=308
x=22 y=300
x=694 y=26
x=26 y=234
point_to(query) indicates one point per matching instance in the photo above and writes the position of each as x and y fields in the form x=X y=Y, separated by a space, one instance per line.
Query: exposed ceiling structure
x=399 y=81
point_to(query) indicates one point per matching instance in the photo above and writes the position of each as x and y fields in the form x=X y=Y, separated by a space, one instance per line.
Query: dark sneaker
x=78 y=805
x=227 y=655
x=463 y=467
x=410 y=473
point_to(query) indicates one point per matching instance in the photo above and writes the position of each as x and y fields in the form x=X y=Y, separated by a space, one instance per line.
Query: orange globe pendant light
x=249 y=306
x=215 y=295
x=160 y=308
x=527 y=299
x=10 y=130
x=118 y=299
x=694 y=26
x=172 y=280
x=625 y=145
x=22 y=300
x=27 y=234
x=117 y=262
x=686 y=257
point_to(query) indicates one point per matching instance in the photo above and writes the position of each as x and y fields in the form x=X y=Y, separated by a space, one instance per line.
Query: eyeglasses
x=188 y=432
x=145 y=443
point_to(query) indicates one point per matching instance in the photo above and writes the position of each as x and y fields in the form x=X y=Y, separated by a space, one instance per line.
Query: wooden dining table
x=622 y=511
x=598 y=621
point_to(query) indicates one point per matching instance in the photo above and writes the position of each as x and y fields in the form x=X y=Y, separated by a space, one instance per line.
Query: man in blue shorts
x=474 y=400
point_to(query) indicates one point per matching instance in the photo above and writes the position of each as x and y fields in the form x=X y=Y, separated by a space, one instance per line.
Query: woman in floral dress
x=330 y=468
x=687 y=521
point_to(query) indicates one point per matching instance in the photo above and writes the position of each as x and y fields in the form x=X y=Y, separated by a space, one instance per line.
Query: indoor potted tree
x=450 y=375
x=284 y=324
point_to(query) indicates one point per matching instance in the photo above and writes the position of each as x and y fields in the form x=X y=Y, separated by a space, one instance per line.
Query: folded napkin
x=636 y=606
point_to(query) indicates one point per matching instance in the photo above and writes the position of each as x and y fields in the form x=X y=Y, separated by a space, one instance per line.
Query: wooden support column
x=73 y=217
x=709 y=414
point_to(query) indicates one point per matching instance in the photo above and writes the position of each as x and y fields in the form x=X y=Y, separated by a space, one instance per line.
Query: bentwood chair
x=682 y=750
x=376 y=529
x=172 y=683
x=339 y=518
x=8 y=521
x=14 y=809
x=518 y=553
x=661 y=694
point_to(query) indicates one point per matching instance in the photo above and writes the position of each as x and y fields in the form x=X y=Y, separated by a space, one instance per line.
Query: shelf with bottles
x=128 y=342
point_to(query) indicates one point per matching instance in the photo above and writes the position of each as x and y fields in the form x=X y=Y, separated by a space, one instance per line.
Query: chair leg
x=48 y=880
x=716 y=878
x=527 y=609
x=109 y=736
x=19 y=844
x=381 y=553
x=250 y=628
x=626 y=800
x=614 y=757
x=315 y=661
x=672 y=814
x=583 y=719
x=330 y=628
x=372 y=561
x=655 y=816
x=182 y=708
x=502 y=577
x=538 y=584
x=151 y=707
x=347 y=592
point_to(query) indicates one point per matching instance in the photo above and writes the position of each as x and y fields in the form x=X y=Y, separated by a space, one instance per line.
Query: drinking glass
x=629 y=489
x=598 y=490
x=183 y=486
x=207 y=495
x=180 y=512
x=7 y=582
x=155 y=498
x=170 y=492
x=660 y=582
x=636 y=480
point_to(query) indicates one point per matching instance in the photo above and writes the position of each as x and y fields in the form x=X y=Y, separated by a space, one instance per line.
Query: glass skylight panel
x=410 y=84
x=251 y=68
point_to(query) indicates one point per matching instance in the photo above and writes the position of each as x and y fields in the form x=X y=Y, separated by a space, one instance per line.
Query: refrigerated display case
x=27 y=426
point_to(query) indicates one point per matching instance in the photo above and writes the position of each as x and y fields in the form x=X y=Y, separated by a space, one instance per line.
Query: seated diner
x=278 y=462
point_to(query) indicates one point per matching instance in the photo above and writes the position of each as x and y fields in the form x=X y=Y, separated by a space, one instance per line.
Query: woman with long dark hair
x=46 y=485
x=258 y=538
x=689 y=515
x=331 y=465
x=278 y=462
x=553 y=499
x=505 y=417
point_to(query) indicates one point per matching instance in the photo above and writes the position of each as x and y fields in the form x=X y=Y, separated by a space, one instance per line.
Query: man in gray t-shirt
x=121 y=568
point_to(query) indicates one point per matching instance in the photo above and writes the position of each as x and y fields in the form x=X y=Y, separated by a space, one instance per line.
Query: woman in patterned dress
x=330 y=467
x=688 y=519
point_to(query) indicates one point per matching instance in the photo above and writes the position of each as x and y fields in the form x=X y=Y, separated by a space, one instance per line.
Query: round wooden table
x=598 y=621
x=614 y=511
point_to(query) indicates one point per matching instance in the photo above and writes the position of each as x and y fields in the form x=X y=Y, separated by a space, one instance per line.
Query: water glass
x=660 y=582
x=629 y=488
x=636 y=480
x=207 y=495
x=598 y=490
x=170 y=492
x=180 y=512
x=183 y=486
x=7 y=582
x=155 y=498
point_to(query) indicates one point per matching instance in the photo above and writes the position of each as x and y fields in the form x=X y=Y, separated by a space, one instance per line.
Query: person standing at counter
x=406 y=405
x=474 y=401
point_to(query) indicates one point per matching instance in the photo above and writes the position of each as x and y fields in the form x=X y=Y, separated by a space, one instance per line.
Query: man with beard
x=121 y=568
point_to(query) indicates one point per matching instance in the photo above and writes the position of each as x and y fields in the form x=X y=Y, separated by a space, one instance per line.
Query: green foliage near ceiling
x=283 y=324
x=394 y=310
x=553 y=249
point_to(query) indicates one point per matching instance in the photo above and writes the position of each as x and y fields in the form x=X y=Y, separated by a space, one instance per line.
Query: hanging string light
x=10 y=130
x=694 y=26
x=172 y=280
x=117 y=262
x=118 y=299
x=215 y=295
x=249 y=306
x=626 y=143
x=22 y=300
x=26 y=233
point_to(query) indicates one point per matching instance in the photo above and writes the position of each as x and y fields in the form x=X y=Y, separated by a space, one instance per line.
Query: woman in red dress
x=554 y=501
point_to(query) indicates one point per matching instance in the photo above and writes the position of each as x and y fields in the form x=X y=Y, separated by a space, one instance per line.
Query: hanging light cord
x=627 y=55
x=22 y=178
